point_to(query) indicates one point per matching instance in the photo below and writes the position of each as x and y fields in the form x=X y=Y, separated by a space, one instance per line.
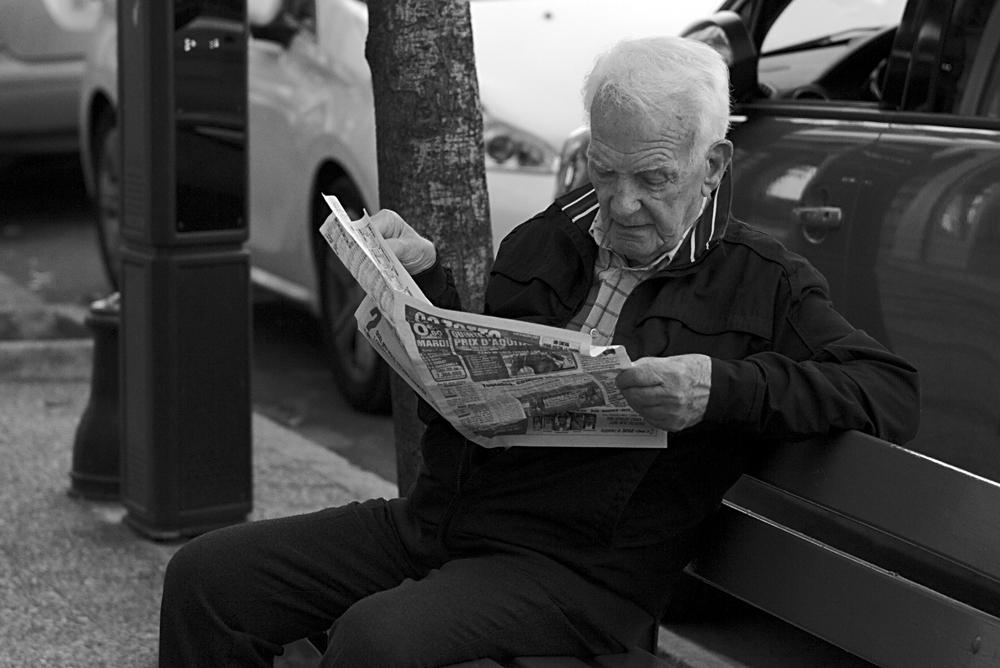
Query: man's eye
x=653 y=179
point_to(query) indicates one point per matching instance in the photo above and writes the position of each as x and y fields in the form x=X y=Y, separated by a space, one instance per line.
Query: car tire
x=107 y=201
x=361 y=374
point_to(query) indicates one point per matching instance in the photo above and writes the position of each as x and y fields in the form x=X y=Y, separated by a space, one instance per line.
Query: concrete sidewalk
x=79 y=588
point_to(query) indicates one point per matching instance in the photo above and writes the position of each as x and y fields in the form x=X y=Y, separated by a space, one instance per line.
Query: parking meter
x=185 y=295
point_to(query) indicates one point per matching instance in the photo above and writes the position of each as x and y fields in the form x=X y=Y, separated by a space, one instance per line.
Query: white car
x=312 y=131
x=42 y=48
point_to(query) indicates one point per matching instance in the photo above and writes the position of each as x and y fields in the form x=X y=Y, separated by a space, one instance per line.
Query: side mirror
x=726 y=33
x=263 y=12
x=270 y=22
x=573 y=162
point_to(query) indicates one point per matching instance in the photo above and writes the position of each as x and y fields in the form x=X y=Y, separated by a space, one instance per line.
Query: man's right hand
x=415 y=253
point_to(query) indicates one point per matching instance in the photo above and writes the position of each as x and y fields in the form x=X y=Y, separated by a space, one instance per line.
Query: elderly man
x=531 y=551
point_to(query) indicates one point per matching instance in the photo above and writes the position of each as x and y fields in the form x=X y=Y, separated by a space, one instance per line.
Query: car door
x=930 y=209
x=801 y=142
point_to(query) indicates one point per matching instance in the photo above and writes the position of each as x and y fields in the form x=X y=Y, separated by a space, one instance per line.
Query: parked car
x=42 y=48
x=867 y=138
x=312 y=131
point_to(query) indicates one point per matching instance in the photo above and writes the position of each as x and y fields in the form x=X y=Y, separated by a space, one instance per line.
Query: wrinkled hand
x=669 y=392
x=415 y=253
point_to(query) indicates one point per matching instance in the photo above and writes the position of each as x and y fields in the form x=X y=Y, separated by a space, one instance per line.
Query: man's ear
x=719 y=156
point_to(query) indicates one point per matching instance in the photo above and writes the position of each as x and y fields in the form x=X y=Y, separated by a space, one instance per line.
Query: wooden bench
x=885 y=553
x=889 y=555
x=882 y=552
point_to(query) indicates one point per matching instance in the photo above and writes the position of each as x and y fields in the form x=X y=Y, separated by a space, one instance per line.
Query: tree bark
x=429 y=133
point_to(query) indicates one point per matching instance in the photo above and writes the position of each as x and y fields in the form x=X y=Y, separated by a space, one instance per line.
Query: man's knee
x=198 y=568
x=371 y=633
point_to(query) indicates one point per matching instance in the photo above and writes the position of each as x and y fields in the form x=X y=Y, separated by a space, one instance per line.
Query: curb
x=43 y=322
x=25 y=316
x=41 y=341
x=46 y=360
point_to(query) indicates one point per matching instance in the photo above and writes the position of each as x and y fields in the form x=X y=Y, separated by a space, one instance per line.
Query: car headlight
x=513 y=149
x=573 y=162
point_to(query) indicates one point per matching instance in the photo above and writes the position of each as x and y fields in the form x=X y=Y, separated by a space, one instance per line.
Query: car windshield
x=833 y=39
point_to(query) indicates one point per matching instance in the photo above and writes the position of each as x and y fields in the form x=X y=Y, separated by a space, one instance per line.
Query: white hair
x=653 y=74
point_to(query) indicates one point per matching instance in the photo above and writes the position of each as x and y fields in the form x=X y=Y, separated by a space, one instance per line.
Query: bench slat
x=634 y=658
x=850 y=603
x=878 y=547
x=547 y=662
x=935 y=506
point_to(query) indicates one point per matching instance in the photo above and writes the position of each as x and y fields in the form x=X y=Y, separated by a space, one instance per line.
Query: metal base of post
x=95 y=471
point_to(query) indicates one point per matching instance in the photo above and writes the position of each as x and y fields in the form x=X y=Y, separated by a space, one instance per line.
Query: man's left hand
x=414 y=252
x=669 y=392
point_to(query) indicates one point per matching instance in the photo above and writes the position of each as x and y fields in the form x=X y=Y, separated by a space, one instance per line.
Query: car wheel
x=108 y=210
x=360 y=373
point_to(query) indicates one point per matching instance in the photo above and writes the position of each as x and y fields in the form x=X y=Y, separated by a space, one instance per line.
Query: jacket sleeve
x=438 y=285
x=821 y=376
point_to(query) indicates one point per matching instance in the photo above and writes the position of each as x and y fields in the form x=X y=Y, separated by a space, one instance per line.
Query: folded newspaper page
x=499 y=382
x=364 y=252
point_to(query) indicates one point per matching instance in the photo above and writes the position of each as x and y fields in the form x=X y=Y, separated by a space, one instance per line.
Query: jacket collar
x=581 y=207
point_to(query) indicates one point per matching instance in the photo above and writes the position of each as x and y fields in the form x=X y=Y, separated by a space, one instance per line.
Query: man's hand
x=669 y=392
x=415 y=253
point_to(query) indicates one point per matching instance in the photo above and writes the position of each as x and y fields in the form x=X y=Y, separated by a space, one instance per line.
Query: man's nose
x=626 y=198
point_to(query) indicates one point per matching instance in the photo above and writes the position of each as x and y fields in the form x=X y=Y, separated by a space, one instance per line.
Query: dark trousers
x=235 y=596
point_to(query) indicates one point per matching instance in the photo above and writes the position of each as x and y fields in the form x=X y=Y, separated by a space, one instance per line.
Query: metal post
x=185 y=338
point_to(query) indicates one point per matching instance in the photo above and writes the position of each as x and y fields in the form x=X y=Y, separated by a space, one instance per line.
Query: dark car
x=867 y=138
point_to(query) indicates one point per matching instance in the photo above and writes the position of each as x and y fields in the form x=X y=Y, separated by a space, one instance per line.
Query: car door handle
x=825 y=217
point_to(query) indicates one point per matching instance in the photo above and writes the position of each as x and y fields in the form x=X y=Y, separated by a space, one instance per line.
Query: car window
x=805 y=21
x=815 y=42
x=967 y=79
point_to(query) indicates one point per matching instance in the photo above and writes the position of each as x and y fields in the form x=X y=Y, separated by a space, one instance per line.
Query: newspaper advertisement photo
x=499 y=382
x=506 y=382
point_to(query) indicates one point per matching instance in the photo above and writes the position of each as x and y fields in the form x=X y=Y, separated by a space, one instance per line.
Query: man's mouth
x=630 y=226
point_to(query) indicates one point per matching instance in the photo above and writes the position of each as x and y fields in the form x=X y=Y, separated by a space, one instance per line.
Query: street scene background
x=48 y=244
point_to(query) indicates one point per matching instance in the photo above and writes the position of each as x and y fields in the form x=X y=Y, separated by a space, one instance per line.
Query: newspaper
x=364 y=252
x=499 y=382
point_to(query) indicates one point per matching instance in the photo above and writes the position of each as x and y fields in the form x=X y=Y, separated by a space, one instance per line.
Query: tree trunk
x=429 y=132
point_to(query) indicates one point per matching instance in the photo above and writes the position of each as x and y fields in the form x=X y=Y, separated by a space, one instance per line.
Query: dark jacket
x=785 y=366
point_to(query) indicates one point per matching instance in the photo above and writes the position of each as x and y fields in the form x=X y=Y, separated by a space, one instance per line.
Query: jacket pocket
x=673 y=322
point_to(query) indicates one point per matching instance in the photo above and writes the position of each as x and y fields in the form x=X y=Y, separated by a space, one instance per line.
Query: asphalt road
x=48 y=244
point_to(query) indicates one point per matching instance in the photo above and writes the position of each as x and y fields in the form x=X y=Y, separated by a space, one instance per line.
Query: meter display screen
x=210 y=100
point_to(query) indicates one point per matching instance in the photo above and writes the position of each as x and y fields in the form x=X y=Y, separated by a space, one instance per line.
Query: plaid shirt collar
x=614 y=280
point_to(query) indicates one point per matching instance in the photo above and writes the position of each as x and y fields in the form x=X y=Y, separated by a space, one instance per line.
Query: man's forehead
x=632 y=138
x=636 y=156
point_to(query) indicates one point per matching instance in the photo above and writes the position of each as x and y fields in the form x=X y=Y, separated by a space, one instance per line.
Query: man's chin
x=637 y=253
